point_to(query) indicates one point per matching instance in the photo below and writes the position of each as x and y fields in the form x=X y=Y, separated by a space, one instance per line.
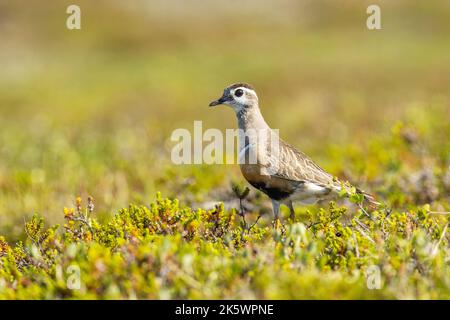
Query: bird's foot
x=278 y=225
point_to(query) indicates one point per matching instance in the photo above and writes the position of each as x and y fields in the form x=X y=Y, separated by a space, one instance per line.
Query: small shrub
x=166 y=251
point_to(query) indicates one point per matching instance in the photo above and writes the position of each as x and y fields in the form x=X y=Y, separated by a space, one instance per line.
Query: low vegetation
x=172 y=252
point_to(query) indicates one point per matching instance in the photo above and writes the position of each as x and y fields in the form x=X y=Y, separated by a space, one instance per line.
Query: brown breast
x=275 y=187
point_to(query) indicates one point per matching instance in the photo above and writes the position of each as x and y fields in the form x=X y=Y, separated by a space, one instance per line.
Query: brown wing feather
x=296 y=166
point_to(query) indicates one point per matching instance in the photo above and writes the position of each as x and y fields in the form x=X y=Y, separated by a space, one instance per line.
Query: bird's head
x=239 y=96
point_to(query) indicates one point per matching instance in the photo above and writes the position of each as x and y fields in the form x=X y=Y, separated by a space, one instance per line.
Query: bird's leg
x=276 y=209
x=276 y=213
x=291 y=209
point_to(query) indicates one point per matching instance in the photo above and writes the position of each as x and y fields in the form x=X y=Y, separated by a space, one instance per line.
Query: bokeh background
x=91 y=111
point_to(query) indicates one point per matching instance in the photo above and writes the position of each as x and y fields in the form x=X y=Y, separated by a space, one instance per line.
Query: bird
x=271 y=165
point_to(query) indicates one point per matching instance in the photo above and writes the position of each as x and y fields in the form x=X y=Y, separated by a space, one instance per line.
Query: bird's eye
x=239 y=92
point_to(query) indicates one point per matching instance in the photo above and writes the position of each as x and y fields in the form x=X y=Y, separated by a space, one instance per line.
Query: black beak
x=222 y=100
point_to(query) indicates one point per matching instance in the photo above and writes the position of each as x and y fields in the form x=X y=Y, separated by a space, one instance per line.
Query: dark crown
x=241 y=84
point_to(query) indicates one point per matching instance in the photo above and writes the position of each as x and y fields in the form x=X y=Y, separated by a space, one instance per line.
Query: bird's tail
x=369 y=199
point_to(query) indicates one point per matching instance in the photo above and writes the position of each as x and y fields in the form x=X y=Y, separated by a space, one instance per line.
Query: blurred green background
x=91 y=111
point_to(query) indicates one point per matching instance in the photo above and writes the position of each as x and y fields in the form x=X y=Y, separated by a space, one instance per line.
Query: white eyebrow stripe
x=246 y=90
